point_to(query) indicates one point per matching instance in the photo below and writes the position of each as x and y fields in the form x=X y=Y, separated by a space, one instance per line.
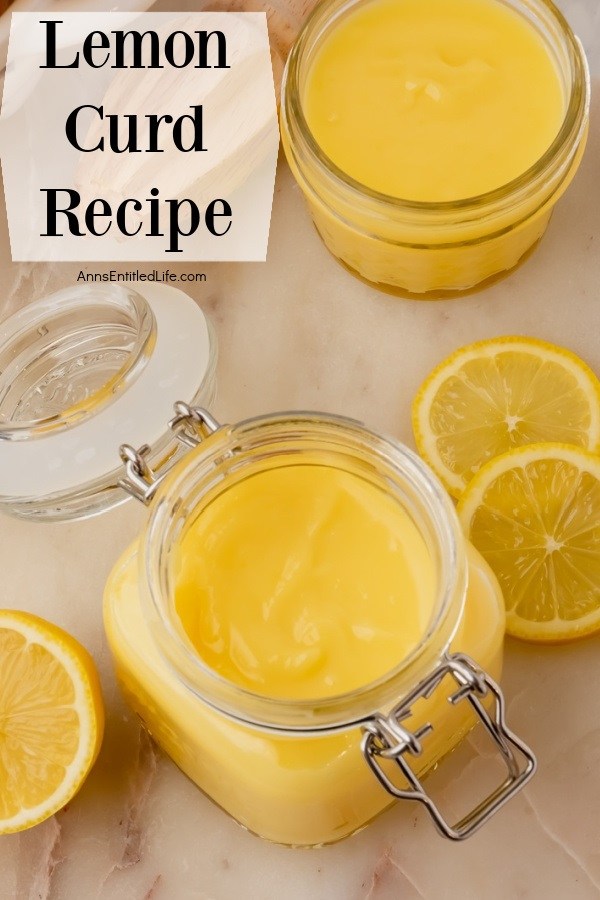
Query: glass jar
x=308 y=772
x=79 y=370
x=428 y=249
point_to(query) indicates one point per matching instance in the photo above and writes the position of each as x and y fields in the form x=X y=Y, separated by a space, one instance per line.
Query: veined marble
x=299 y=332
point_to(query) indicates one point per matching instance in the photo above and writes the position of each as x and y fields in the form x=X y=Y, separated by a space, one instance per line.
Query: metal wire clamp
x=190 y=425
x=385 y=737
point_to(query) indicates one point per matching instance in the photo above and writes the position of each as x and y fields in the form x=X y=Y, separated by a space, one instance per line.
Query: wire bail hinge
x=190 y=425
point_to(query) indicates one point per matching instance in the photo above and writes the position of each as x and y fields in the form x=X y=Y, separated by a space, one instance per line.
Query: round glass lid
x=84 y=370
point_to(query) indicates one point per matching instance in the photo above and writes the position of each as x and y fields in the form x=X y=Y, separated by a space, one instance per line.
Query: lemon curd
x=433 y=137
x=434 y=100
x=304 y=581
x=297 y=584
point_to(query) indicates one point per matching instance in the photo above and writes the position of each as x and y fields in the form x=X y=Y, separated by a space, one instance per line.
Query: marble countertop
x=299 y=332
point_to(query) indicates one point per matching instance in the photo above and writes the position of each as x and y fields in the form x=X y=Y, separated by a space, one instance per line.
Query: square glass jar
x=308 y=772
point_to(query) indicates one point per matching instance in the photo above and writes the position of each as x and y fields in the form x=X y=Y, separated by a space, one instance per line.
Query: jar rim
x=207 y=466
x=572 y=128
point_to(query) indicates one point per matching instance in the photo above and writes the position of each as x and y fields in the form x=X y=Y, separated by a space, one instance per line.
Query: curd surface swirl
x=304 y=581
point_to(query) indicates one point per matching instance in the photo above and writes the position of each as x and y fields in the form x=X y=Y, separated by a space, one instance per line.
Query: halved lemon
x=494 y=395
x=534 y=514
x=51 y=719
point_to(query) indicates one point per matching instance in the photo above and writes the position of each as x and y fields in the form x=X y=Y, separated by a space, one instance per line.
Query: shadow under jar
x=433 y=248
x=307 y=770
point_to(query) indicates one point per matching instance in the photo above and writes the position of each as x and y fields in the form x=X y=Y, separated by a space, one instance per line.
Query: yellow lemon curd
x=426 y=103
x=294 y=583
x=298 y=582
x=434 y=100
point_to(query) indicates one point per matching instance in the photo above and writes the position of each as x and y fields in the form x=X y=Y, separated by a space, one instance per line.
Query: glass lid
x=83 y=370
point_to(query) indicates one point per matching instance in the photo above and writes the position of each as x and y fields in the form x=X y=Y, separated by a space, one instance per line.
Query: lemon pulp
x=495 y=395
x=51 y=719
x=534 y=514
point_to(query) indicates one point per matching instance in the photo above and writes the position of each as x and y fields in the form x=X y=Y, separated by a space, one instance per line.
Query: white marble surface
x=299 y=332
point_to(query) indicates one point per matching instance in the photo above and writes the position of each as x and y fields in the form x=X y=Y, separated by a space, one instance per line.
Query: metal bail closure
x=190 y=425
x=385 y=737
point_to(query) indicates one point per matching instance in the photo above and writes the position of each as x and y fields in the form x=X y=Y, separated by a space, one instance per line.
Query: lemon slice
x=51 y=719
x=494 y=395
x=534 y=514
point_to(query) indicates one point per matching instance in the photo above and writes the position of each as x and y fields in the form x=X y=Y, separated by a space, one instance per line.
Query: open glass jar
x=308 y=772
x=299 y=772
x=434 y=249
